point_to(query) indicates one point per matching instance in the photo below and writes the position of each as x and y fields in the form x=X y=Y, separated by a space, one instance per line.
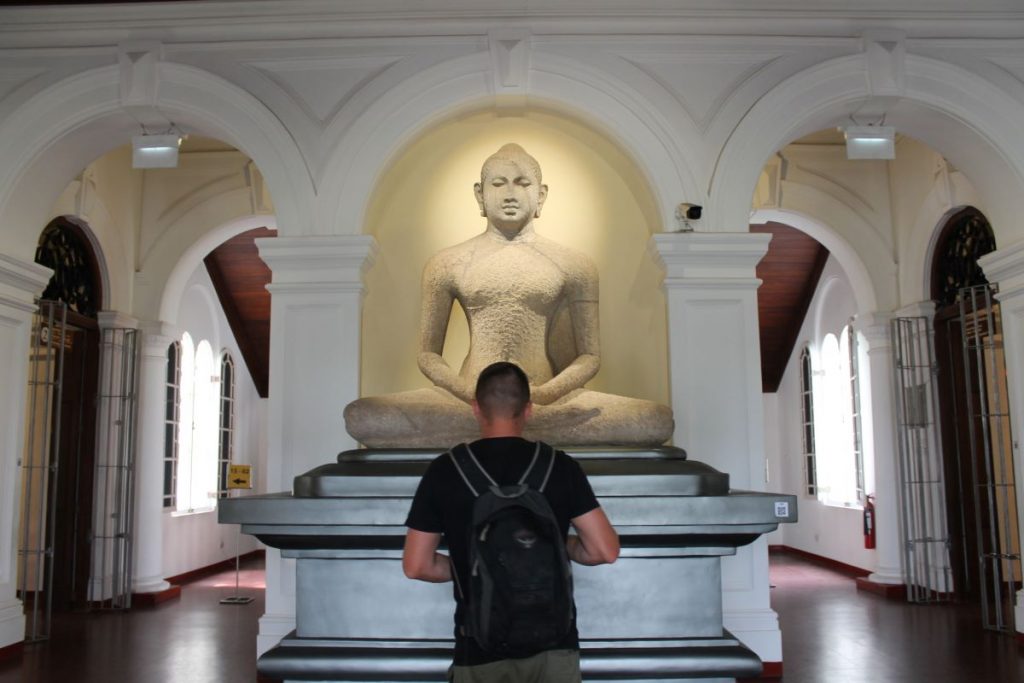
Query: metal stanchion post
x=240 y=480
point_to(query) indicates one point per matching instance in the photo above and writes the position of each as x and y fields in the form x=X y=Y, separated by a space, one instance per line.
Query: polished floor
x=831 y=633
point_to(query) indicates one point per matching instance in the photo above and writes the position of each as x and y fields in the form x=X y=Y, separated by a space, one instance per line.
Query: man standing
x=443 y=505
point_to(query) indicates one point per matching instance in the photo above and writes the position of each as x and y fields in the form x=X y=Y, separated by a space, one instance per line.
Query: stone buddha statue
x=527 y=300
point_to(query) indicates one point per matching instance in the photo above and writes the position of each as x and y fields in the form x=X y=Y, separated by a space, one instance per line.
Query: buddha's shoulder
x=453 y=255
x=569 y=259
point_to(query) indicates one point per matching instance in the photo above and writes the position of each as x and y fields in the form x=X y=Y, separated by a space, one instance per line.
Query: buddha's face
x=509 y=194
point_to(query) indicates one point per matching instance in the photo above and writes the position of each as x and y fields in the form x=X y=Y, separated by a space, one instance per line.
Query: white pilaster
x=880 y=432
x=1005 y=268
x=149 y=459
x=316 y=318
x=715 y=362
x=20 y=283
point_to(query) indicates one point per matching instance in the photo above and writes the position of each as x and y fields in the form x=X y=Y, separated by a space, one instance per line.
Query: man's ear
x=528 y=410
x=476 y=410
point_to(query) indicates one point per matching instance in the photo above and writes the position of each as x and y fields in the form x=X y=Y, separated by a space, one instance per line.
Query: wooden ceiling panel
x=241 y=277
x=789 y=273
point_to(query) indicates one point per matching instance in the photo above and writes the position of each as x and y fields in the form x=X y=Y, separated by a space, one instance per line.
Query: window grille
x=807 y=422
x=172 y=417
x=227 y=423
x=858 y=448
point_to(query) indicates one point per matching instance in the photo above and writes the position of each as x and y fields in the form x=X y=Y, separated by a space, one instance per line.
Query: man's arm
x=420 y=559
x=596 y=542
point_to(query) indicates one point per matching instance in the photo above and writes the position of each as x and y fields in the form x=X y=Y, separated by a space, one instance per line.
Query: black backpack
x=519 y=598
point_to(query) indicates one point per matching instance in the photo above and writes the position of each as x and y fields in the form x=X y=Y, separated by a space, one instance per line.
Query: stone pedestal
x=654 y=614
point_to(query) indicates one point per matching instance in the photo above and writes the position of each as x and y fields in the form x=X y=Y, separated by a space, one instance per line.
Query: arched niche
x=47 y=141
x=598 y=203
x=663 y=150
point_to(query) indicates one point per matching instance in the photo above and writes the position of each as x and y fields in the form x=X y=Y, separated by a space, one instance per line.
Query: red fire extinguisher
x=869 y=522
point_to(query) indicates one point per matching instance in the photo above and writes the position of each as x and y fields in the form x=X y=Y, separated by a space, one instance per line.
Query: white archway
x=845 y=255
x=177 y=279
x=959 y=114
x=50 y=138
x=557 y=84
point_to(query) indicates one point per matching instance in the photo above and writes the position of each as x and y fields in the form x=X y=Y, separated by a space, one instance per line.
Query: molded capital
x=333 y=262
x=722 y=258
x=1005 y=267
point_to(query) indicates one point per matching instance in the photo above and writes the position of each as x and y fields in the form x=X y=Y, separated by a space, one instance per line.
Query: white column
x=715 y=361
x=315 y=323
x=20 y=283
x=149 y=459
x=1005 y=268
x=880 y=433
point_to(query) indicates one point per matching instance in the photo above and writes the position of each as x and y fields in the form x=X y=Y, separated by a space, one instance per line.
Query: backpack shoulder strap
x=537 y=474
x=470 y=469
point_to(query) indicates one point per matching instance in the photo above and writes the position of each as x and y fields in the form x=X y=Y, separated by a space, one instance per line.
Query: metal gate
x=39 y=467
x=990 y=456
x=114 y=511
x=923 y=528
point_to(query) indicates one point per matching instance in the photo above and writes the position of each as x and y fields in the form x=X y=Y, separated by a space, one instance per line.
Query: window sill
x=843 y=506
x=190 y=513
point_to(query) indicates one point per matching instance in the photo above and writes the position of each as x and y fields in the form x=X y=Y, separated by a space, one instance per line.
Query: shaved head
x=502 y=391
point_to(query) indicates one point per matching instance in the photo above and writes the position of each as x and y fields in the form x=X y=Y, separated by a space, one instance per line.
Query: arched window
x=966 y=237
x=837 y=416
x=196 y=482
x=64 y=247
x=226 y=431
x=171 y=421
x=853 y=364
x=807 y=421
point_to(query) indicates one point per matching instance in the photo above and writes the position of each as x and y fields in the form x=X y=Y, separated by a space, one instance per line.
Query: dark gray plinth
x=654 y=614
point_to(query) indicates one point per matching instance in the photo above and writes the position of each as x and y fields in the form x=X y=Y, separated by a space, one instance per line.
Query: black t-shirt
x=444 y=504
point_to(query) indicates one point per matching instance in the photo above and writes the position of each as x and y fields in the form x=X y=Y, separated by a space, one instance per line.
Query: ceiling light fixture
x=155 y=151
x=870 y=142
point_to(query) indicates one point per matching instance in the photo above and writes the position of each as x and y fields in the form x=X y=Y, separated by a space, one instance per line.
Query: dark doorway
x=64 y=247
x=976 y=442
x=75 y=457
x=956 y=448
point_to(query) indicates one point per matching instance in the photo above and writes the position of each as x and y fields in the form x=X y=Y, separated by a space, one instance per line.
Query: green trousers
x=553 y=666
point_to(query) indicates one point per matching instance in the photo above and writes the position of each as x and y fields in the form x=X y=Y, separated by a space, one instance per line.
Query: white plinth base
x=273 y=627
x=12 y=623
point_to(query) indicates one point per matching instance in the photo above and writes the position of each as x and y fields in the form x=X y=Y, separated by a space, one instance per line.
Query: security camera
x=690 y=212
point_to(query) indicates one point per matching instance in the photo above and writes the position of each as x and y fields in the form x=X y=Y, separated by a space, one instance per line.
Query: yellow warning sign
x=239 y=476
